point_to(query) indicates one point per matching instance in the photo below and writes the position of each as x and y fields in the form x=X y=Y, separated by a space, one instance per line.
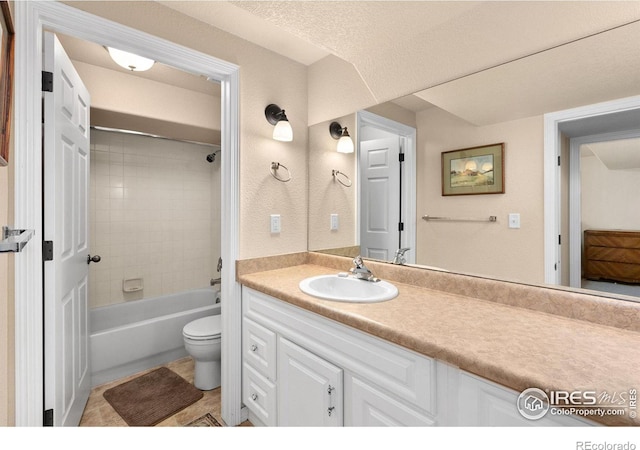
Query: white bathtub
x=129 y=337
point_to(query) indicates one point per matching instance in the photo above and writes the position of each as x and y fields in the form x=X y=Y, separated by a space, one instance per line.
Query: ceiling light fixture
x=130 y=61
x=345 y=144
x=276 y=116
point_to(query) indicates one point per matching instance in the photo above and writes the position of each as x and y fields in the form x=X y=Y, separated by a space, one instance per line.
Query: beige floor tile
x=99 y=413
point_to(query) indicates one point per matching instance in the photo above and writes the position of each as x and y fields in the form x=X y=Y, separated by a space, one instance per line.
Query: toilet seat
x=203 y=329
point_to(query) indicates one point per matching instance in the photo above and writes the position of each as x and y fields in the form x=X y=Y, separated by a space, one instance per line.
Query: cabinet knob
x=254 y=397
x=254 y=347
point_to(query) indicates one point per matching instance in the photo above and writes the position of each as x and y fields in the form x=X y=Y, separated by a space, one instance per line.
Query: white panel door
x=66 y=183
x=309 y=388
x=379 y=198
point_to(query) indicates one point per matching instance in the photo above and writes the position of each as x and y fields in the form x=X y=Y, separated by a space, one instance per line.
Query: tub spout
x=215 y=281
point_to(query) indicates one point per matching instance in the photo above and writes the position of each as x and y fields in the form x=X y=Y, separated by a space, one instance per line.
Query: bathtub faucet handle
x=219 y=268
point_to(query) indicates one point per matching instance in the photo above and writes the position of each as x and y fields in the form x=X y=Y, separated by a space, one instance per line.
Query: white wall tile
x=154 y=214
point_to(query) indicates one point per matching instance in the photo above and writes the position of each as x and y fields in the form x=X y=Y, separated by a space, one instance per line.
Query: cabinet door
x=484 y=403
x=310 y=388
x=366 y=406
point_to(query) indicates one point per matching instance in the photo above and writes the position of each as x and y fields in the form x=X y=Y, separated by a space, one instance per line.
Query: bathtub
x=130 y=337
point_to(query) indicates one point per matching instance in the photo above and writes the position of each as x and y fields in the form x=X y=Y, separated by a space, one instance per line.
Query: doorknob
x=94 y=258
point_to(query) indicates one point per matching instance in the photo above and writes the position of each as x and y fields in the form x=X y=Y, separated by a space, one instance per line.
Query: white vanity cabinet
x=484 y=403
x=302 y=369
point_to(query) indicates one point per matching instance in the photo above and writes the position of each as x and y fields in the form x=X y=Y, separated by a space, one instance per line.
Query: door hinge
x=558 y=160
x=401 y=226
x=401 y=157
x=47 y=250
x=559 y=240
x=48 y=418
x=47 y=81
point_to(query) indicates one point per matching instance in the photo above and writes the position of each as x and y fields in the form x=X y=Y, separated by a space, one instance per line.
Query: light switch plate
x=275 y=223
x=514 y=220
x=334 y=222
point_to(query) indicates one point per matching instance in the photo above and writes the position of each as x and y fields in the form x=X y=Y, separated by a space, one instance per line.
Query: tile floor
x=99 y=413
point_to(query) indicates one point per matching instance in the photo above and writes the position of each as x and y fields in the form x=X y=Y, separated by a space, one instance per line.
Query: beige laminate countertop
x=516 y=347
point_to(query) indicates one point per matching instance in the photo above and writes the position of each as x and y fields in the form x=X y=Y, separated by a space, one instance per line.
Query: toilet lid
x=205 y=328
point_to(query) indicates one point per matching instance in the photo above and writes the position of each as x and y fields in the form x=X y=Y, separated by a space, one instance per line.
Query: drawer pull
x=254 y=347
x=254 y=397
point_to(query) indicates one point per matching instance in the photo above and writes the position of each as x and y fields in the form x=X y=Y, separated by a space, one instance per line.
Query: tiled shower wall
x=154 y=214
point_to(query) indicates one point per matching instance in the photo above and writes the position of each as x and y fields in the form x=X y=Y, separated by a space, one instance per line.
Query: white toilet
x=202 y=342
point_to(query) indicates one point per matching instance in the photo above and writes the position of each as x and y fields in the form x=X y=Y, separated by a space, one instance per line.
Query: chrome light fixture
x=276 y=116
x=130 y=61
x=345 y=144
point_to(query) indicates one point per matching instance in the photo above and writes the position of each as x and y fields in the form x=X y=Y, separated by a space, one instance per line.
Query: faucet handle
x=357 y=261
x=401 y=251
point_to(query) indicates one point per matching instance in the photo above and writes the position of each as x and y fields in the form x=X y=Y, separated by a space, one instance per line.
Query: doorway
x=604 y=180
x=565 y=133
x=32 y=18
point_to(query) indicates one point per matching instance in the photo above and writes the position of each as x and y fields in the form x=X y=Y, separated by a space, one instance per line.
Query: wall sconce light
x=345 y=144
x=130 y=61
x=276 y=116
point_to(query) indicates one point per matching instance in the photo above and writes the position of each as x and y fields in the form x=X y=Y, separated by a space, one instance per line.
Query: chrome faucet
x=399 y=257
x=360 y=271
x=215 y=281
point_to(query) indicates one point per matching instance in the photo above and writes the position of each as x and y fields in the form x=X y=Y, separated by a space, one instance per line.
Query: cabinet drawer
x=259 y=348
x=259 y=395
x=367 y=406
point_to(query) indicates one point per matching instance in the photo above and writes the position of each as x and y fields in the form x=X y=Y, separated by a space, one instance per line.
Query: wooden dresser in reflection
x=612 y=255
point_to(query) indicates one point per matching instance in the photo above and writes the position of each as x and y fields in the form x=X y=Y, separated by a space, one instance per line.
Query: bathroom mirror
x=505 y=104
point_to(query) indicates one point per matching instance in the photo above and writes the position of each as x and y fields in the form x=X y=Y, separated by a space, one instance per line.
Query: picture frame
x=473 y=171
x=6 y=80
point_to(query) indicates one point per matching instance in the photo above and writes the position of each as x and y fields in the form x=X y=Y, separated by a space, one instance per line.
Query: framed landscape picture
x=472 y=171
x=6 y=80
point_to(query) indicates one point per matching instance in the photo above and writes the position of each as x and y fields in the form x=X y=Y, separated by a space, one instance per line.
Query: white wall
x=326 y=195
x=609 y=199
x=483 y=248
x=154 y=214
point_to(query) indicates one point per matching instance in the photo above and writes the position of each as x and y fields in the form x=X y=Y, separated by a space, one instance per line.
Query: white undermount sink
x=341 y=288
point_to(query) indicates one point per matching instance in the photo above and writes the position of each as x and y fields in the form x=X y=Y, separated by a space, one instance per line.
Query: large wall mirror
x=600 y=168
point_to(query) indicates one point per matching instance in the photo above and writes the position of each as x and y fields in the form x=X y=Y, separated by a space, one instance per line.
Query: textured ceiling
x=402 y=47
x=486 y=62
x=622 y=154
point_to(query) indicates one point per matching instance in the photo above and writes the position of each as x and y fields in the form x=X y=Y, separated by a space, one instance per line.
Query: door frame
x=552 y=175
x=31 y=19
x=407 y=136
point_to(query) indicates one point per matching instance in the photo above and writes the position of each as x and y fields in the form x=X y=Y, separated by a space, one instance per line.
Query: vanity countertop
x=513 y=346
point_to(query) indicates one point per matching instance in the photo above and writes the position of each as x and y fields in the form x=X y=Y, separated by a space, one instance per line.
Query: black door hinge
x=48 y=418
x=558 y=160
x=47 y=251
x=401 y=226
x=559 y=240
x=47 y=81
x=401 y=157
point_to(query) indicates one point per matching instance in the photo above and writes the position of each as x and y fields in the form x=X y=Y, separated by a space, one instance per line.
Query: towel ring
x=335 y=174
x=274 y=167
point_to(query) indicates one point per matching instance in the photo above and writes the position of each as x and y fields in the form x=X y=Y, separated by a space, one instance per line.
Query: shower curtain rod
x=140 y=133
